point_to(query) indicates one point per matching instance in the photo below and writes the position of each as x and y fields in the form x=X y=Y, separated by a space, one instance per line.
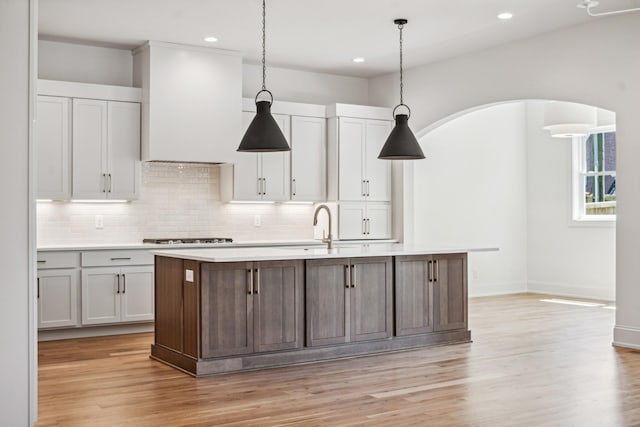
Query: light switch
x=256 y=221
x=99 y=222
x=188 y=275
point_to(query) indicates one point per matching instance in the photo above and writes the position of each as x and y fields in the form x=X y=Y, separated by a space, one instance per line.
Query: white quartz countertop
x=182 y=246
x=312 y=252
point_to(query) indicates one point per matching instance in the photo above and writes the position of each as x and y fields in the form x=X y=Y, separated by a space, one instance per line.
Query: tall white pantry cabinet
x=358 y=181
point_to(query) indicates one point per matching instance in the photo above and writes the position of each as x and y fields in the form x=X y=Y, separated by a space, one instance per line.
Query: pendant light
x=401 y=143
x=263 y=134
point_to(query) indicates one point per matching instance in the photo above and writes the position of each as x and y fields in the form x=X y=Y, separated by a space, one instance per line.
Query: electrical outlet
x=99 y=222
x=256 y=221
x=188 y=275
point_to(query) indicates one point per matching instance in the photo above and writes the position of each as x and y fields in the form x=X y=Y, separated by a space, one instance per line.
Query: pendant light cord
x=400 y=27
x=264 y=45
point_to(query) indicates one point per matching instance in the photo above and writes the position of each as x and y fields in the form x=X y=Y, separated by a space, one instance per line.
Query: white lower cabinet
x=57 y=298
x=364 y=221
x=117 y=294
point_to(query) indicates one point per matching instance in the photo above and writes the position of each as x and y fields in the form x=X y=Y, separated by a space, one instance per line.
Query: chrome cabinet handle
x=109 y=183
x=363 y=188
x=104 y=182
x=38 y=291
x=257 y=272
x=364 y=226
x=368 y=189
x=121 y=259
x=435 y=270
x=259 y=186
x=124 y=283
x=250 y=273
x=347 y=273
x=368 y=226
x=42 y=261
x=264 y=188
x=354 y=276
x=118 y=283
x=429 y=271
x=294 y=186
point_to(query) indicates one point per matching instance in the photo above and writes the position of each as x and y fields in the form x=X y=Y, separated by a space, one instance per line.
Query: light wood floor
x=531 y=364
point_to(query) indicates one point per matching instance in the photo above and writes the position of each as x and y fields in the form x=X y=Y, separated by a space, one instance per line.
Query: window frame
x=578 y=174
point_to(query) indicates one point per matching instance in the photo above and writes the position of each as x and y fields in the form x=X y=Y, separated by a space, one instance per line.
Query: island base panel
x=204 y=367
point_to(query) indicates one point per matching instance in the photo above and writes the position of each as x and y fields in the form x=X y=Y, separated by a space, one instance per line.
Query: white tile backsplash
x=177 y=200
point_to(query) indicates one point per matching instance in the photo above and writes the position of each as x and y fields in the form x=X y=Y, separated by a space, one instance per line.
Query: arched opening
x=494 y=176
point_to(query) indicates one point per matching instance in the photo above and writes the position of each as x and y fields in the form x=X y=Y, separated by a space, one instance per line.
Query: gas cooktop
x=176 y=241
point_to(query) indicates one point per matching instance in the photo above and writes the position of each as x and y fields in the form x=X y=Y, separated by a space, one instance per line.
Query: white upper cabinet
x=106 y=149
x=356 y=136
x=308 y=158
x=377 y=172
x=123 y=149
x=53 y=148
x=192 y=99
x=262 y=176
x=361 y=175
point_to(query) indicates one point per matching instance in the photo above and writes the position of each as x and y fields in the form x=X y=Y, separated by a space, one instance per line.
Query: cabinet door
x=278 y=305
x=100 y=295
x=136 y=293
x=328 y=315
x=414 y=295
x=57 y=298
x=52 y=148
x=371 y=298
x=123 y=150
x=276 y=167
x=227 y=309
x=308 y=158
x=450 y=292
x=351 y=221
x=89 y=149
x=377 y=172
x=378 y=224
x=246 y=169
x=351 y=135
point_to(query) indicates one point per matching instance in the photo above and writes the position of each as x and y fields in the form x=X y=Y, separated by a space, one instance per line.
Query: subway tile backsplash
x=177 y=200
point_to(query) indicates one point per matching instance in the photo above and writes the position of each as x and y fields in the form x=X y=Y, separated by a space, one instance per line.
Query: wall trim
x=572 y=290
x=627 y=337
x=496 y=288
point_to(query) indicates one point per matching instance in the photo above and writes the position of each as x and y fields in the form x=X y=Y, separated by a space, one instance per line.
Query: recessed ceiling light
x=358 y=59
x=210 y=39
x=505 y=15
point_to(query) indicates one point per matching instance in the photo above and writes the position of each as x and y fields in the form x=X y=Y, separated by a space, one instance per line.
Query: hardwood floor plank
x=532 y=363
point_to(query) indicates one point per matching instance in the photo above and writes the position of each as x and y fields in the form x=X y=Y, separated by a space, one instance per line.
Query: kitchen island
x=224 y=310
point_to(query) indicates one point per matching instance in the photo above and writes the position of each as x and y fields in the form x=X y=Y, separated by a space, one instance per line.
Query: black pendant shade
x=401 y=143
x=263 y=134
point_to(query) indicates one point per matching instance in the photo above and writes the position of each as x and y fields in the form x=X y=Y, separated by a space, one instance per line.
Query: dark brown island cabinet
x=215 y=317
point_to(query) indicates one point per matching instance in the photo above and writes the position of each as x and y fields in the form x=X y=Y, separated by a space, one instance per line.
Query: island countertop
x=283 y=253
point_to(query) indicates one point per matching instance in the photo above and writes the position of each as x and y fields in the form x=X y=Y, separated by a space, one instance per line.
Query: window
x=594 y=178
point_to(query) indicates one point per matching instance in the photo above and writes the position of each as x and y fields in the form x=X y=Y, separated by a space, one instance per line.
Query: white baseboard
x=571 y=290
x=626 y=336
x=94 y=331
x=496 y=288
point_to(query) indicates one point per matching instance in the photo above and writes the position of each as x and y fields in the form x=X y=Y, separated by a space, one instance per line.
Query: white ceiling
x=320 y=35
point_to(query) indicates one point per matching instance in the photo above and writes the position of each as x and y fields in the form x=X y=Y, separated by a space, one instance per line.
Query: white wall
x=85 y=64
x=552 y=66
x=176 y=201
x=470 y=191
x=564 y=258
x=100 y=65
x=305 y=86
x=17 y=352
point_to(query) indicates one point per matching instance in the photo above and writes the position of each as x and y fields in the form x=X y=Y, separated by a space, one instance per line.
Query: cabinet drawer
x=58 y=260
x=122 y=257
